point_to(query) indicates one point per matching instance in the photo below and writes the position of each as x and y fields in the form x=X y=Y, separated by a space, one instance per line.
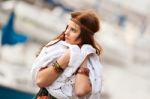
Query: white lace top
x=63 y=86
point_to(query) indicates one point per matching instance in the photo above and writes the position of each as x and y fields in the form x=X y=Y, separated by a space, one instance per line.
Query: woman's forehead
x=73 y=24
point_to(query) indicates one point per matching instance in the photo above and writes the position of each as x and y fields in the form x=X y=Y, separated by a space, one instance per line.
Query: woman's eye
x=73 y=30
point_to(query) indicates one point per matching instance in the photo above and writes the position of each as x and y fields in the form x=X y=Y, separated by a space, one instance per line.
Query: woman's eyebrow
x=72 y=27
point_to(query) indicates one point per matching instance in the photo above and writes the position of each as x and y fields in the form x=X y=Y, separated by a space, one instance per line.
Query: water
x=7 y=93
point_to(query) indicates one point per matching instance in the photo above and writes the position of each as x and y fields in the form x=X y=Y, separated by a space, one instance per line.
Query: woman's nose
x=67 y=32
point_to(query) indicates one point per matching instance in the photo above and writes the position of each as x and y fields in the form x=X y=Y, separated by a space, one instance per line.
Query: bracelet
x=83 y=70
x=57 y=67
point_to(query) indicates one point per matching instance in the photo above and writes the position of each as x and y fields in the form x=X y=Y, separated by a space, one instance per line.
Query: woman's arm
x=82 y=82
x=48 y=75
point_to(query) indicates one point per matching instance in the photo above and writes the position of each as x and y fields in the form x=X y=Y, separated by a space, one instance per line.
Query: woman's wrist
x=57 y=67
x=62 y=63
x=83 y=70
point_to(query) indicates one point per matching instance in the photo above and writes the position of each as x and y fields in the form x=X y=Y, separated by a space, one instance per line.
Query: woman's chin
x=67 y=41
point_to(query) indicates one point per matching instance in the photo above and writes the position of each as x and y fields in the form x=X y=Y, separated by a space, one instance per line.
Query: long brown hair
x=89 y=25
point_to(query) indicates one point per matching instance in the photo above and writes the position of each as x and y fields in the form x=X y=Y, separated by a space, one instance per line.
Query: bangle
x=57 y=67
x=83 y=70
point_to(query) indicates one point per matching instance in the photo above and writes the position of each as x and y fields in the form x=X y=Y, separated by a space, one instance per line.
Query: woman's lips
x=66 y=38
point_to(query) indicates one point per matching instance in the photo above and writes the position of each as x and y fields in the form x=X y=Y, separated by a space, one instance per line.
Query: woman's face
x=72 y=33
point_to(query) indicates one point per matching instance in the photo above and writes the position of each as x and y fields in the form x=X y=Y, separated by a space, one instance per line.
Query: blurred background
x=26 y=25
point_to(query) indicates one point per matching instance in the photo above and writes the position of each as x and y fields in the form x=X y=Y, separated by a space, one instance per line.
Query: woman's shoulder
x=52 y=42
x=57 y=43
x=88 y=48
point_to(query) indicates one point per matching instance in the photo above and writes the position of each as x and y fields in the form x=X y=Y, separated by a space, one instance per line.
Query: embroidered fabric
x=63 y=87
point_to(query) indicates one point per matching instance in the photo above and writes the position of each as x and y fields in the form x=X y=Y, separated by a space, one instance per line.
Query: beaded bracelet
x=57 y=67
x=83 y=70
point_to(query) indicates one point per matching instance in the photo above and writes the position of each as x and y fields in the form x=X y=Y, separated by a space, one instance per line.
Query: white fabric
x=63 y=87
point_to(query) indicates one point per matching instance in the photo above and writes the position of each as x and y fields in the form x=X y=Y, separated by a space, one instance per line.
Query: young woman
x=69 y=67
